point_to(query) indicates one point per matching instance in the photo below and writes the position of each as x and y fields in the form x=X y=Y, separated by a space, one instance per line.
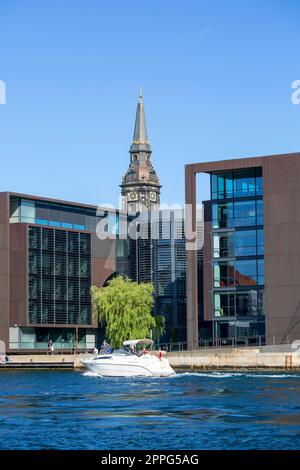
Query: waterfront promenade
x=201 y=359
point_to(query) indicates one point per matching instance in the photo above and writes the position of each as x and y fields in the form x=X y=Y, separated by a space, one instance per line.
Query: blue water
x=212 y=410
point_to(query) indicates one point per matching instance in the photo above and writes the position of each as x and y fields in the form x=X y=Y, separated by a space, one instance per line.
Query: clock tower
x=140 y=184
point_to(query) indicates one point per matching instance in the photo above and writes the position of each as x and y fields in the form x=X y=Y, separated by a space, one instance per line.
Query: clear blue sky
x=216 y=76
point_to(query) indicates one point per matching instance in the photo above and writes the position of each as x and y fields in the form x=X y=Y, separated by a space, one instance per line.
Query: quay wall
x=234 y=358
x=202 y=359
x=45 y=359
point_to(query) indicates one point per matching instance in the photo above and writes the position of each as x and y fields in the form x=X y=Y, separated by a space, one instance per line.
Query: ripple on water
x=205 y=410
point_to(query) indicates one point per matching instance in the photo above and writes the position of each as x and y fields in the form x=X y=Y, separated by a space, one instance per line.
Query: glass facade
x=161 y=259
x=238 y=252
x=59 y=269
x=60 y=215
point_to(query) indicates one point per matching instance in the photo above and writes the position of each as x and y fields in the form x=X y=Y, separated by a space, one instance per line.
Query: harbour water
x=212 y=410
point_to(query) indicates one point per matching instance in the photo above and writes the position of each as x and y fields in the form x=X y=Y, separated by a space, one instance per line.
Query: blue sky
x=216 y=76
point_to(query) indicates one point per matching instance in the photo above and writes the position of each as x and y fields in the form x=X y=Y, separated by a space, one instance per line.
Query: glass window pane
x=41 y=222
x=261 y=302
x=260 y=242
x=224 y=304
x=54 y=223
x=259 y=185
x=223 y=274
x=246 y=303
x=261 y=271
x=223 y=245
x=27 y=211
x=245 y=243
x=222 y=185
x=244 y=183
x=260 y=212
x=222 y=215
x=244 y=213
x=66 y=225
x=245 y=272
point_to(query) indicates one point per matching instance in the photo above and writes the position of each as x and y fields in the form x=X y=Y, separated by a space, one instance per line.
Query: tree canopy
x=125 y=306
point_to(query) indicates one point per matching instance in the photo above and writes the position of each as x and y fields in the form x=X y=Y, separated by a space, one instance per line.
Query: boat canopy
x=134 y=342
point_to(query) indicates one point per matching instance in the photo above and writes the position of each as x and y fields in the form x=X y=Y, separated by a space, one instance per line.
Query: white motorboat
x=128 y=362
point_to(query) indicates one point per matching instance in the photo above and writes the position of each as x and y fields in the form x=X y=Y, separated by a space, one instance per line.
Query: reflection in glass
x=224 y=304
x=245 y=272
x=244 y=213
x=223 y=245
x=223 y=274
x=245 y=243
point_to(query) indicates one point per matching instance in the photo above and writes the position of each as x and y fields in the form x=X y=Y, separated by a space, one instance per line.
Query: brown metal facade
x=14 y=275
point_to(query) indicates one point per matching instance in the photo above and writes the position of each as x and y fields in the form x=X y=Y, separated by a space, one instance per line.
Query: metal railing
x=215 y=343
x=59 y=346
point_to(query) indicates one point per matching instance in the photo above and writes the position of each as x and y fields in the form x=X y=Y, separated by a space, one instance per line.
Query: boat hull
x=113 y=368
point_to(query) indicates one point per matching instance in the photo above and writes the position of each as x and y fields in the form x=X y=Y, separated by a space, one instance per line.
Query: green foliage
x=125 y=307
x=159 y=328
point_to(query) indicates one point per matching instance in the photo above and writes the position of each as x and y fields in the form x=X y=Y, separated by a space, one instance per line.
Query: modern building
x=251 y=251
x=140 y=185
x=157 y=255
x=50 y=257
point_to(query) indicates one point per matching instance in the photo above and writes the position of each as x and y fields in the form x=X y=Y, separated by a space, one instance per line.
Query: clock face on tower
x=132 y=196
x=152 y=196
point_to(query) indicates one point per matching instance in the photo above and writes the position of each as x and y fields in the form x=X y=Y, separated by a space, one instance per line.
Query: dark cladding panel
x=282 y=248
x=4 y=266
x=18 y=275
x=207 y=263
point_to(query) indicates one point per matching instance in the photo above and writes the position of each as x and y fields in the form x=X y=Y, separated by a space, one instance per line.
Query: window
x=244 y=213
x=33 y=263
x=237 y=183
x=41 y=221
x=54 y=223
x=261 y=302
x=224 y=304
x=245 y=243
x=260 y=212
x=84 y=268
x=260 y=271
x=260 y=242
x=222 y=215
x=259 y=185
x=223 y=245
x=27 y=211
x=222 y=185
x=47 y=263
x=244 y=183
x=246 y=303
x=47 y=289
x=33 y=239
x=60 y=265
x=246 y=272
x=223 y=274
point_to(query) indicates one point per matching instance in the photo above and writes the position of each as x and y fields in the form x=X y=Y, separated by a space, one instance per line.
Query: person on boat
x=106 y=348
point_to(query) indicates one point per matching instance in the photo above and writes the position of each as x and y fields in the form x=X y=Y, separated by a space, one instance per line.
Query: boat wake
x=91 y=374
x=223 y=375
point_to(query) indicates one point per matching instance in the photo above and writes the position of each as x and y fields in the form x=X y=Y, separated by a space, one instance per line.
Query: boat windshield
x=123 y=352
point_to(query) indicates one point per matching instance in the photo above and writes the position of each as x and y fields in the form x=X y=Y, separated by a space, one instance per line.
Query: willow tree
x=125 y=306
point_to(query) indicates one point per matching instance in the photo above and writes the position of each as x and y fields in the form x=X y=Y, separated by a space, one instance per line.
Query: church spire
x=140 y=184
x=140 y=137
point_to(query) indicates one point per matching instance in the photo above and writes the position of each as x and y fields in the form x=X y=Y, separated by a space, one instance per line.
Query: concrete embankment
x=201 y=359
x=234 y=358
x=44 y=361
